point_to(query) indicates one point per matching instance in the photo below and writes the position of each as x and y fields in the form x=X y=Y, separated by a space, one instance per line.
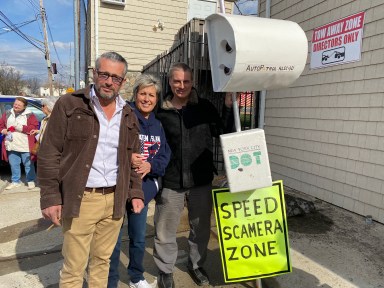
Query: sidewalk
x=329 y=248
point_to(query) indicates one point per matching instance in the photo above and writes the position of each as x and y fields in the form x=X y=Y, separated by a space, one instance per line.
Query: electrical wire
x=14 y=28
x=17 y=25
x=34 y=5
x=238 y=8
x=240 y=3
x=53 y=43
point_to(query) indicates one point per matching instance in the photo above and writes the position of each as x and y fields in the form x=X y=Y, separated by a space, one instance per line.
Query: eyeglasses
x=105 y=75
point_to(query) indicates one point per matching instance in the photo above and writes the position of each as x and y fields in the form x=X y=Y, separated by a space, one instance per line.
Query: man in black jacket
x=189 y=122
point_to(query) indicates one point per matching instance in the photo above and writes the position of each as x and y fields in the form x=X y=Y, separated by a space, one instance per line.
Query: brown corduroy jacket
x=67 y=151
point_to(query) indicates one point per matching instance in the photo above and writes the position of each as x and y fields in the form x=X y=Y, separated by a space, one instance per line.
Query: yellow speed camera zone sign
x=253 y=233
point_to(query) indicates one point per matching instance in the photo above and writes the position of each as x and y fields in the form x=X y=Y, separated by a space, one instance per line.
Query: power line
x=241 y=3
x=14 y=28
x=7 y=30
x=35 y=6
x=238 y=8
x=53 y=42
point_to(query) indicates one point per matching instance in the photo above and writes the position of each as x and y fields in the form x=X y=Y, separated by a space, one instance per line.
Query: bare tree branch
x=11 y=82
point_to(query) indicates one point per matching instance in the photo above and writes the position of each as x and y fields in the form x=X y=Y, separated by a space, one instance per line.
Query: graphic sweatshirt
x=155 y=149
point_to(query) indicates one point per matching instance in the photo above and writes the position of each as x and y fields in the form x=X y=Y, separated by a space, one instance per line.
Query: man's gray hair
x=180 y=66
x=49 y=102
x=113 y=56
x=146 y=80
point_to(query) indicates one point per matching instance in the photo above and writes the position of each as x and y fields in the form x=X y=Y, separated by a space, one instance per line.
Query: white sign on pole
x=338 y=42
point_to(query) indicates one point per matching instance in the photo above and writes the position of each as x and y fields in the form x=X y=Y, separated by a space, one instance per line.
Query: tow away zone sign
x=338 y=42
x=253 y=233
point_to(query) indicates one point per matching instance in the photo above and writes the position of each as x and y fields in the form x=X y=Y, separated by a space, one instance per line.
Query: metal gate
x=191 y=47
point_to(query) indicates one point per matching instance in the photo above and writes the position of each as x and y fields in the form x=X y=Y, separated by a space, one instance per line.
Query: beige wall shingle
x=128 y=29
x=325 y=133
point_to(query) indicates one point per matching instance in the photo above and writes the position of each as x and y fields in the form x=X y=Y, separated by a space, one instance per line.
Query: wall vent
x=114 y=2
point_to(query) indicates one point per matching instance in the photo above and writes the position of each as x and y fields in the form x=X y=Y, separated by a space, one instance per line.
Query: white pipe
x=263 y=93
x=235 y=107
x=262 y=109
x=254 y=110
x=202 y=42
x=236 y=115
x=222 y=6
x=96 y=29
x=268 y=9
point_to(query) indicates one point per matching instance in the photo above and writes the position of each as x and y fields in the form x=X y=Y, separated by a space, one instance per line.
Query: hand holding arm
x=34 y=131
x=136 y=160
x=143 y=169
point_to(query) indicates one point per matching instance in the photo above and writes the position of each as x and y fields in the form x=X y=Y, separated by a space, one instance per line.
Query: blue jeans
x=15 y=159
x=137 y=226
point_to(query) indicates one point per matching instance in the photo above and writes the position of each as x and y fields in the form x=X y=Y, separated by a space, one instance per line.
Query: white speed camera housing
x=252 y=54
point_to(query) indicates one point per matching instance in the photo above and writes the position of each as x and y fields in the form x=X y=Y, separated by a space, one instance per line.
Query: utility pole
x=76 y=18
x=47 y=57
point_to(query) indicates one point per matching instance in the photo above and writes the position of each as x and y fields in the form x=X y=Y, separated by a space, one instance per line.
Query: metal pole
x=262 y=109
x=47 y=56
x=234 y=94
x=222 y=7
x=237 y=123
x=76 y=48
x=263 y=93
x=236 y=115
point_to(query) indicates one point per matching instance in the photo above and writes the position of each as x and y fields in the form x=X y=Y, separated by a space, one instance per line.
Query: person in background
x=85 y=172
x=47 y=105
x=16 y=125
x=150 y=163
x=189 y=122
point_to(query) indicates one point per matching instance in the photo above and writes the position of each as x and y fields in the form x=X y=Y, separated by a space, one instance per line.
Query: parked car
x=34 y=105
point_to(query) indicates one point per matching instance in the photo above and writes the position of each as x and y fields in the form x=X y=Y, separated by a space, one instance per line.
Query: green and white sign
x=246 y=160
x=253 y=233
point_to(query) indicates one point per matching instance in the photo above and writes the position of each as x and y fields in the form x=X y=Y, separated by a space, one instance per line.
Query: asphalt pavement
x=329 y=248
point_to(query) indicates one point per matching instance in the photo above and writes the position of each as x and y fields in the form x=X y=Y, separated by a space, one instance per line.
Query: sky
x=23 y=56
x=246 y=7
x=29 y=60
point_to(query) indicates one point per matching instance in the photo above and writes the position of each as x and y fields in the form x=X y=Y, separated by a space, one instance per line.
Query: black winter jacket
x=189 y=133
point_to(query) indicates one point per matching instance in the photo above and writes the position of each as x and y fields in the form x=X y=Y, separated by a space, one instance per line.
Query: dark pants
x=137 y=224
x=169 y=206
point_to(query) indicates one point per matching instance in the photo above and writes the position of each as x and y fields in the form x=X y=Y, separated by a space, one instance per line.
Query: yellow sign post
x=253 y=233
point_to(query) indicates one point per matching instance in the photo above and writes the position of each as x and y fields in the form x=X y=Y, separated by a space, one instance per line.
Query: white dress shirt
x=104 y=168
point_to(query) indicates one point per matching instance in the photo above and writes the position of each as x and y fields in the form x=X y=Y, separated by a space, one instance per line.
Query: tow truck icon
x=333 y=55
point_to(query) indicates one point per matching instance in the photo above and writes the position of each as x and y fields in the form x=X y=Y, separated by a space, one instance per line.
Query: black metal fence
x=191 y=47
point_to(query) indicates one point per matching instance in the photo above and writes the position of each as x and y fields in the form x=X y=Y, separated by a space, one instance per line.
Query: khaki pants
x=92 y=236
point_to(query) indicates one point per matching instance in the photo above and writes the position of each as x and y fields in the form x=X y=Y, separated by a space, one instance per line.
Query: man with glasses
x=85 y=171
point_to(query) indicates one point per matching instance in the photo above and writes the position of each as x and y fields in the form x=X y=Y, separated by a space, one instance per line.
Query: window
x=201 y=8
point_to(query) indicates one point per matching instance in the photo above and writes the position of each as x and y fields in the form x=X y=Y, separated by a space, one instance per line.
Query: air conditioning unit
x=114 y=2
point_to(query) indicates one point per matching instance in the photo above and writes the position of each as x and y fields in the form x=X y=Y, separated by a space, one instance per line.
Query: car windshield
x=37 y=111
